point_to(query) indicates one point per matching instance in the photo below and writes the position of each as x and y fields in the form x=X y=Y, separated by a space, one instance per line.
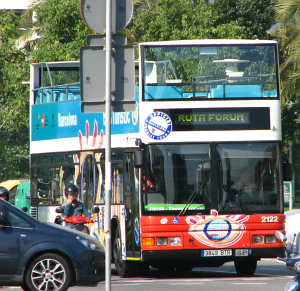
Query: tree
x=186 y=19
x=287 y=32
x=62 y=31
x=255 y=16
x=14 y=132
x=197 y=19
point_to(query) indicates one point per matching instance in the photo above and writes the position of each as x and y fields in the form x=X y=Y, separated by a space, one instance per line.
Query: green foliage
x=62 y=31
x=288 y=35
x=14 y=69
x=256 y=17
x=186 y=19
x=197 y=19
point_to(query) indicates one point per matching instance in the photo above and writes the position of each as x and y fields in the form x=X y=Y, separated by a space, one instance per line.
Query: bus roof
x=210 y=42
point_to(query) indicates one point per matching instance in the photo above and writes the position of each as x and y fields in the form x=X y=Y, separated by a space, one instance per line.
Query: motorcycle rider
x=73 y=207
x=4 y=193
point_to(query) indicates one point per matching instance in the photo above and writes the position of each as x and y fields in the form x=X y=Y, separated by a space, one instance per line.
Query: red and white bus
x=196 y=168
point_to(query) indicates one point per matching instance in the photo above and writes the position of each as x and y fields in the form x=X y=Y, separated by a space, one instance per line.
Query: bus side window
x=117 y=177
x=117 y=185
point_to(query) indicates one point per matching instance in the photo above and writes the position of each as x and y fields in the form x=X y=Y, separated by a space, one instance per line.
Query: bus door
x=88 y=181
x=131 y=202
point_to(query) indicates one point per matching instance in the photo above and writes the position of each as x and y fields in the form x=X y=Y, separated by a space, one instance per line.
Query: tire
x=48 y=272
x=245 y=267
x=124 y=268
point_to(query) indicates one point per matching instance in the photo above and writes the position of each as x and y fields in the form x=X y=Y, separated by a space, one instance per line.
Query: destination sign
x=193 y=119
x=210 y=117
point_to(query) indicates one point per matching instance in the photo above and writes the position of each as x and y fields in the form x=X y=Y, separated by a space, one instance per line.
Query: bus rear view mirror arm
x=138 y=159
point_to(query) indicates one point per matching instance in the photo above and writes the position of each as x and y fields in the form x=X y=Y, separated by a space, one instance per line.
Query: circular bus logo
x=217 y=230
x=158 y=125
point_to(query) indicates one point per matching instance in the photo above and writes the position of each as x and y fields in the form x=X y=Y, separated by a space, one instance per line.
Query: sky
x=15 y=4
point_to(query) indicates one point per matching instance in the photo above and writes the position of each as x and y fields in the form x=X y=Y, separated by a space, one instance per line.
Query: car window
x=16 y=221
x=11 y=219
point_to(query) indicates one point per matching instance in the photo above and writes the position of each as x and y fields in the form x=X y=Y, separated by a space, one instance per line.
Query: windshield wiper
x=189 y=203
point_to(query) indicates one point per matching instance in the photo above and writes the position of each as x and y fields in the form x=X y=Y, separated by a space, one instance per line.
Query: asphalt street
x=271 y=275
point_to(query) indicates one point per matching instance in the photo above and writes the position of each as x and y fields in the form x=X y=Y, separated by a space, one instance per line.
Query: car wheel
x=245 y=267
x=48 y=272
x=124 y=268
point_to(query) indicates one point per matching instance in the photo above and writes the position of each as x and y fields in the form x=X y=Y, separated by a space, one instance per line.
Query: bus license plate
x=241 y=252
x=217 y=253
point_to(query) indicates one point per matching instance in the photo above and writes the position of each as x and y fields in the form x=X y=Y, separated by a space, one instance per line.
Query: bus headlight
x=161 y=241
x=270 y=239
x=175 y=241
x=257 y=239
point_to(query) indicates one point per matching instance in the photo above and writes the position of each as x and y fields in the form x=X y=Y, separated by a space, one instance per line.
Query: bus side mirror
x=59 y=210
x=138 y=159
x=287 y=172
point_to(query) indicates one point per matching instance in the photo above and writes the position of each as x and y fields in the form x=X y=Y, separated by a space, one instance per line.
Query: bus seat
x=75 y=92
x=76 y=96
x=37 y=97
x=162 y=92
x=48 y=96
x=271 y=93
x=236 y=91
x=195 y=95
x=62 y=97
x=55 y=96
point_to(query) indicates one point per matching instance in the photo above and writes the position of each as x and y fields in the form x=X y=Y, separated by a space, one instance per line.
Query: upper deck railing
x=58 y=93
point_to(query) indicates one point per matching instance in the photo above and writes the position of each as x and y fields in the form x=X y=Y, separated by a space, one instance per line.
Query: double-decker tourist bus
x=196 y=168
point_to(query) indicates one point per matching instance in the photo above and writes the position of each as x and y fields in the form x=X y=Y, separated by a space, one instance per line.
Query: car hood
x=68 y=231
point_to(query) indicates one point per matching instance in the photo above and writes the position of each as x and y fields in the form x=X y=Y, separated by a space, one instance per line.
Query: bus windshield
x=220 y=71
x=179 y=178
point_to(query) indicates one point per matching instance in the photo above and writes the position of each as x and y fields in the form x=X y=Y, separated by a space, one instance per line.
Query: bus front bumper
x=197 y=257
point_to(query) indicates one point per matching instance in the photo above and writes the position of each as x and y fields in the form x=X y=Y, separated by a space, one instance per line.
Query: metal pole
x=292 y=183
x=107 y=217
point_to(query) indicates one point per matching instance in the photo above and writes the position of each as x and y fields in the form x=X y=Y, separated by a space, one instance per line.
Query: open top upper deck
x=209 y=69
x=186 y=91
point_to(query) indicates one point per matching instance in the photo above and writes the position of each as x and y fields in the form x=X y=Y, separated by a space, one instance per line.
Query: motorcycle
x=292 y=259
x=75 y=222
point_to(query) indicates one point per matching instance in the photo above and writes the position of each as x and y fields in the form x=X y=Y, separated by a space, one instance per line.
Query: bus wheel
x=245 y=267
x=124 y=268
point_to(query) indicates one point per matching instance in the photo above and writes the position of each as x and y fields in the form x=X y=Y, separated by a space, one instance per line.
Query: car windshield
x=220 y=71
x=196 y=178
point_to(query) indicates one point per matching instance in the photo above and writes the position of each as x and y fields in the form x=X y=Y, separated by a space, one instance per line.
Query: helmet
x=4 y=191
x=71 y=189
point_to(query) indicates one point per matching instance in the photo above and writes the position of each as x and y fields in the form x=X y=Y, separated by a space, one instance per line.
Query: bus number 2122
x=269 y=219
